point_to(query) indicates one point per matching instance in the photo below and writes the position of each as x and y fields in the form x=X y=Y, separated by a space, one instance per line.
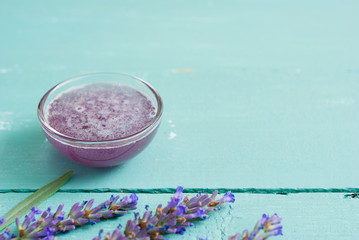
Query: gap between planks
x=283 y=191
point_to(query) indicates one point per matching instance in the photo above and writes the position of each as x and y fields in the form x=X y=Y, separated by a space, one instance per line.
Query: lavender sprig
x=50 y=224
x=173 y=218
x=5 y=235
x=35 y=199
x=265 y=227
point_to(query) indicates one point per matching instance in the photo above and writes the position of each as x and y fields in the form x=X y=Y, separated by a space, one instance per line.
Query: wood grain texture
x=257 y=94
x=305 y=216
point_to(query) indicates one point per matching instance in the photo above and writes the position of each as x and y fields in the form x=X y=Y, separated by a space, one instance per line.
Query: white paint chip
x=172 y=135
x=298 y=70
x=171 y=123
x=4 y=70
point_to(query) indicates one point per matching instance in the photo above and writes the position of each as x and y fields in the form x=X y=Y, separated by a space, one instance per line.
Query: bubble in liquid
x=105 y=111
x=80 y=109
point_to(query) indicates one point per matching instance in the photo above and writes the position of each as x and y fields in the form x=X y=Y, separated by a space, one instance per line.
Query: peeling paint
x=172 y=135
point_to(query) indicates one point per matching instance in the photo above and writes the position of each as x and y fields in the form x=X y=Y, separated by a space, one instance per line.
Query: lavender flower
x=2 y=221
x=173 y=218
x=50 y=224
x=5 y=235
x=265 y=227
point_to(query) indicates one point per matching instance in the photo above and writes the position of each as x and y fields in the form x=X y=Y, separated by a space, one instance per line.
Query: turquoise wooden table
x=260 y=98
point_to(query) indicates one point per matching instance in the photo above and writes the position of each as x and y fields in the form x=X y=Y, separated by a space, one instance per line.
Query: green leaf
x=35 y=199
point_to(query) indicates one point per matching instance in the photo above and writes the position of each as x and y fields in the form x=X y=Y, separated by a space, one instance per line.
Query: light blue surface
x=257 y=94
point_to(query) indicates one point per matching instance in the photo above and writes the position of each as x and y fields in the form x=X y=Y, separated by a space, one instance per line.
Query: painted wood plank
x=305 y=216
x=256 y=94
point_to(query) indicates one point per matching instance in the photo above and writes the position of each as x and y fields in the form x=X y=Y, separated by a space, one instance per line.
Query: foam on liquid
x=100 y=111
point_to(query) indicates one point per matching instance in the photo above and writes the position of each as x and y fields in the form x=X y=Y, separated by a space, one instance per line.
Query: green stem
x=35 y=199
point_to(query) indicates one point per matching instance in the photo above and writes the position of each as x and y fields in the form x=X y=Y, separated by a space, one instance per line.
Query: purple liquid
x=100 y=112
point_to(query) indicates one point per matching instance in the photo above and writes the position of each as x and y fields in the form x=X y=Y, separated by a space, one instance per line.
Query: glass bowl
x=104 y=153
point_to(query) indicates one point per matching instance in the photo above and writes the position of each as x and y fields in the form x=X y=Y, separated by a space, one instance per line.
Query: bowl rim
x=118 y=141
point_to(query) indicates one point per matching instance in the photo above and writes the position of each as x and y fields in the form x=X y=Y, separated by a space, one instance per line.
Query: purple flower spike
x=84 y=203
x=133 y=198
x=228 y=197
x=99 y=235
x=265 y=228
x=175 y=217
x=49 y=231
x=180 y=211
x=179 y=193
x=202 y=214
x=36 y=210
x=180 y=230
x=50 y=224
x=5 y=235
x=2 y=221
